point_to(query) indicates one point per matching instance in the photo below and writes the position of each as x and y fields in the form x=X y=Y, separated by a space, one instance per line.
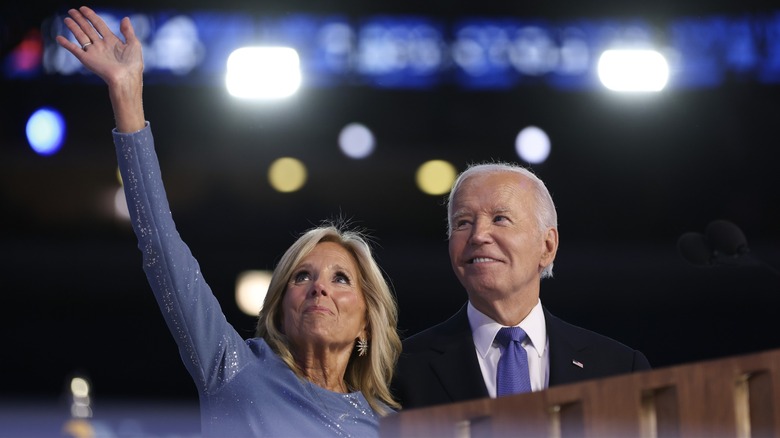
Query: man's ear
x=550 y=247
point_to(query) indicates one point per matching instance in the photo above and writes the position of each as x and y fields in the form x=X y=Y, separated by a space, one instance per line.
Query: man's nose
x=480 y=232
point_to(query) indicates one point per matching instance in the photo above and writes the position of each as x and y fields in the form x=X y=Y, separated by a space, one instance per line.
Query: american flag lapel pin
x=578 y=363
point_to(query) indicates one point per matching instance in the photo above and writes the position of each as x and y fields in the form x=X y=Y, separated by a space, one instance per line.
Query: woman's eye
x=342 y=278
x=301 y=277
x=500 y=218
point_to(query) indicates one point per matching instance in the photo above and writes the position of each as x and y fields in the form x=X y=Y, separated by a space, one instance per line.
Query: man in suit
x=503 y=238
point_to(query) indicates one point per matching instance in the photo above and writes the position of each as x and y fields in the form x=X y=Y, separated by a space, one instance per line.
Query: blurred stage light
x=534 y=51
x=120 y=205
x=633 y=70
x=25 y=59
x=325 y=44
x=421 y=52
x=532 y=145
x=78 y=428
x=479 y=52
x=263 y=72
x=251 y=288
x=356 y=141
x=45 y=131
x=435 y=177
x=80 y=401
x=177 y=46
x=406 y=52
x=79 y=387
x=287 y=174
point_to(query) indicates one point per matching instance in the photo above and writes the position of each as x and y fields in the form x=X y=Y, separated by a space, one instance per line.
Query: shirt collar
x=484 y=329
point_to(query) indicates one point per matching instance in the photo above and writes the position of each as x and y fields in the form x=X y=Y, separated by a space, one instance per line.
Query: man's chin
x=483 y=291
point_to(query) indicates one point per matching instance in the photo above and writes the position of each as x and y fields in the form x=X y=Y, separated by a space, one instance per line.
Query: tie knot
x=509 y=334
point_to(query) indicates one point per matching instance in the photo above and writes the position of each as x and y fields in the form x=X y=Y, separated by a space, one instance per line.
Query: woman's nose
x=318 y=288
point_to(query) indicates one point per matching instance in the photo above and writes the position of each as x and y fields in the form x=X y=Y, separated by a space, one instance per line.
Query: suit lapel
x=566 y=362
x=456 y=366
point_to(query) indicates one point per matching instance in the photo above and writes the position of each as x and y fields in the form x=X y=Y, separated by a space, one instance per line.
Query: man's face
x=497 y=248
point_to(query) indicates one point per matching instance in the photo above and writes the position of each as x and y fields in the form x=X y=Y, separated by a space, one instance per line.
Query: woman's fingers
x=98 y=26
x=83 y=31
x=88 y=28
x=127 y=30
x=81 y=37
x=68 y=45
x=74 y=48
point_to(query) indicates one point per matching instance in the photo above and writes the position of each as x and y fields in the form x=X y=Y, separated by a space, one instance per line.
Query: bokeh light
x=45 y=131
x=80 y=400
x=435 y=177
x=251 y=288
x=120 y=205
x=287 y=174
x=532 y=145
x=356 y=141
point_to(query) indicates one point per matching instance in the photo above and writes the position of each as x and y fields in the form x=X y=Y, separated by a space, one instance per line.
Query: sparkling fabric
x=245 y=389
x=512 y=376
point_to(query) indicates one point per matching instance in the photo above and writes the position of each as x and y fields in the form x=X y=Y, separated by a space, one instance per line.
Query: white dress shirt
x=484 y=330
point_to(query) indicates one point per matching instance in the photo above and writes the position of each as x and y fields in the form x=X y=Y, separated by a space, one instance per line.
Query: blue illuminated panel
x=421 y=52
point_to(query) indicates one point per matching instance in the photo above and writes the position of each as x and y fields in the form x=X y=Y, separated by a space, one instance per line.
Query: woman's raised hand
x=102 y=52
x=119 y=63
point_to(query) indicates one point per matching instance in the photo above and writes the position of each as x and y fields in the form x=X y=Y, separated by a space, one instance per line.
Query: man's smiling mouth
x=477 y=260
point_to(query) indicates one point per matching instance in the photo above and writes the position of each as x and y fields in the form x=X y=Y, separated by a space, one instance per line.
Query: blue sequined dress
x=245 y=389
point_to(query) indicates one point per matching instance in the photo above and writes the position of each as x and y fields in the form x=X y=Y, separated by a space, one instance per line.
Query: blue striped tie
x=512 y=376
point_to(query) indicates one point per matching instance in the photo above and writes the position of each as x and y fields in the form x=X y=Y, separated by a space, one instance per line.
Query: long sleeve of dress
x=245 y=389
x=208 y=344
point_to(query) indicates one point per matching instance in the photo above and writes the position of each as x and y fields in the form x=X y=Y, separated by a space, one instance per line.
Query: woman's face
x=324 y=304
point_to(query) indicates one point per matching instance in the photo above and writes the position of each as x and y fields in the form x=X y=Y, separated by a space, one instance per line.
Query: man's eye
x=461 y=223
x=500 y=218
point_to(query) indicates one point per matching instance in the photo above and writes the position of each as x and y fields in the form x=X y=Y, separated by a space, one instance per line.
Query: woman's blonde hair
x=371 y=374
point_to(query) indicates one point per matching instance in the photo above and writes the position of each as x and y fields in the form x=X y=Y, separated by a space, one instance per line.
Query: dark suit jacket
x=439 y=365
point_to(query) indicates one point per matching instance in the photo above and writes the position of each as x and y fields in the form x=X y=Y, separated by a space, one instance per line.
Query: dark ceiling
x=628 y=176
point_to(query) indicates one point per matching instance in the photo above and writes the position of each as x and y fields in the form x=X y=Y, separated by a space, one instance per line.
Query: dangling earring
x=362 y=347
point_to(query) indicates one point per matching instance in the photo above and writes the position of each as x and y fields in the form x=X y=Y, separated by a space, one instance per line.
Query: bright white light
x=633 y=70
x=80 y=400
x=263 y=72
x=532 y=145
x=251 y=288
x=79 y=387
x=356 y=141
x=45 y=131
